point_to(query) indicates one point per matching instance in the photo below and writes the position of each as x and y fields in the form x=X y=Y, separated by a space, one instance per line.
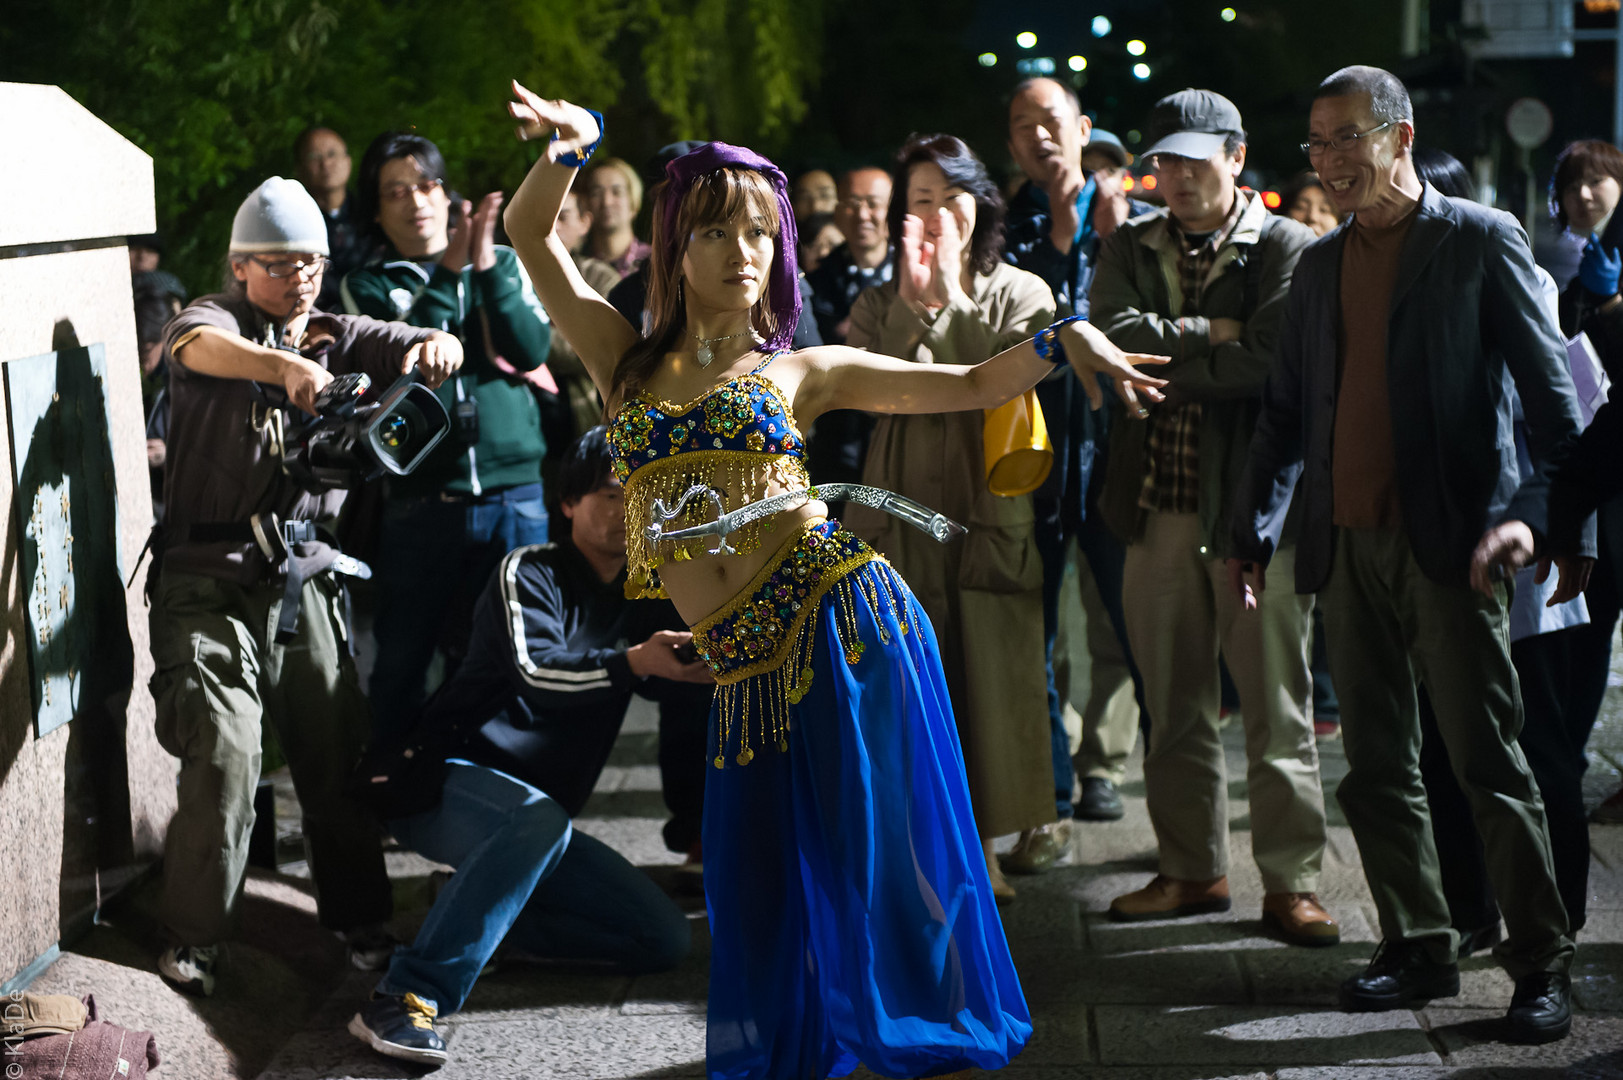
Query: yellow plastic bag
x=1018 y=455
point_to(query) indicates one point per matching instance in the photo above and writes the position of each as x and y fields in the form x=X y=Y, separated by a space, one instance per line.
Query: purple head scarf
x=783 y=291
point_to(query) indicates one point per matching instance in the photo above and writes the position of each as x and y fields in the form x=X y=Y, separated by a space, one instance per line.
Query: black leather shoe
x=1541 y=1008
x=1399 y=975
x=1099 y=801
x=1482 y=939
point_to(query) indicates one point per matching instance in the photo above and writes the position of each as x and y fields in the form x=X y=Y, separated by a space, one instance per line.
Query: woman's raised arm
x=599 y=334
x=837 y=377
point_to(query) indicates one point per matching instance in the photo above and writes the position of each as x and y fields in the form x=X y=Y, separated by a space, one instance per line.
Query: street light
x=1141 y=71
x=1136 y=47
x=1228 y=14
x=1077 y=63
x=1101 y=26
x=1025 y=39
x=988 y=59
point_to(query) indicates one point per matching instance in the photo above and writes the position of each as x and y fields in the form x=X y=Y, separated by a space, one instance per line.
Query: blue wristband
x=1047 y=341
x=577 y=158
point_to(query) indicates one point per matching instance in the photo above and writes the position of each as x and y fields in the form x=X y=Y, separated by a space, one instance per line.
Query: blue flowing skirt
x=850 y=910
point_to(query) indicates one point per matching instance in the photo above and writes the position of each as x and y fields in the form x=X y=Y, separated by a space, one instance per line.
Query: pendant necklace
x=707 y=352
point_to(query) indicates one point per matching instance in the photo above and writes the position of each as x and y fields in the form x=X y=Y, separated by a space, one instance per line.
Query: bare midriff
x=704 y=584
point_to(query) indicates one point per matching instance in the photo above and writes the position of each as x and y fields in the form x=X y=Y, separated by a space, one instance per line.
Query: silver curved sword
x=921 y=517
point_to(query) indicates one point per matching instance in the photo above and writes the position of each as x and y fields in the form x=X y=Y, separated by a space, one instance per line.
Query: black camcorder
x=348 y=442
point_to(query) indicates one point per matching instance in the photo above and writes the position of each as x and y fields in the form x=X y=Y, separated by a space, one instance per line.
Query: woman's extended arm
x=838 y=377
x=599 y=333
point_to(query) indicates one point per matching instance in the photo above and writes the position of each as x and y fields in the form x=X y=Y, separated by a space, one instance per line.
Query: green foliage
x=216 y=92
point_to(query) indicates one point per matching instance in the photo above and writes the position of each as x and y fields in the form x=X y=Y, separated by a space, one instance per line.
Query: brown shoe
x=1169 y=898
x=1298 y=918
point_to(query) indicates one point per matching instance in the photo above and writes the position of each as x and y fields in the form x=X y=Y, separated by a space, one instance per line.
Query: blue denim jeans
x=524 y=875
x=434 y=560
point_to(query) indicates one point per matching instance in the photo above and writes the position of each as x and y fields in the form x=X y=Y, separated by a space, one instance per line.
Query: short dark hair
x=1388 y=97
x=1582 y=158
x=964 y=170
x=302 y=139
x=1232 y=142
x=390 y=146
x=1443 y=171
x=586 y=466
x=1026 y=84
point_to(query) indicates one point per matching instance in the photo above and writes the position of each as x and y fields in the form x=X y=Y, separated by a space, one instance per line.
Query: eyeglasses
x=286 y=268
x=1341 y=143
x=396 y=192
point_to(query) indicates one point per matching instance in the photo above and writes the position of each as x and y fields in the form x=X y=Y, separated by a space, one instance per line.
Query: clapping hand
x=1599 y=270
x=576 y=129
x=915 y=281
x=931 y=262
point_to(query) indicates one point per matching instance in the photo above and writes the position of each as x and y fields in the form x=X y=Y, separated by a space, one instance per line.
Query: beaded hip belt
x=760 y=645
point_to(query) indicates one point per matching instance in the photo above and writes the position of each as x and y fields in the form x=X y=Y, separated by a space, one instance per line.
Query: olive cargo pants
x=218 y=675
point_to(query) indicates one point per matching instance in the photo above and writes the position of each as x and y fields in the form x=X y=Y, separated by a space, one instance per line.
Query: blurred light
x=1141 y=71
x=1127 y=183
x=1149 y=183
x=1025 y=39
x=1601 y=7
x=1101 y=26
x=1035 y=65
x=1271 y=199
x=988 y=59
x=1077 y=63
x=1228 y=14
x=1134 y=137
x=1136 y=47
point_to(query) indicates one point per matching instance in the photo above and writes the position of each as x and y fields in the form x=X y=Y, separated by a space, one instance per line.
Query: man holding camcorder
x=247 y=616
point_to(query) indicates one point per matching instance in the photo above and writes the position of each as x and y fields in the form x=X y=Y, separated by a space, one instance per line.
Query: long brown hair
x=716 y=197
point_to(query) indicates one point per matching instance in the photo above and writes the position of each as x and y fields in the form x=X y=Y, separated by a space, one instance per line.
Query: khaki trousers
x=1180 y=615
x=1388 y=625
x=218 y=675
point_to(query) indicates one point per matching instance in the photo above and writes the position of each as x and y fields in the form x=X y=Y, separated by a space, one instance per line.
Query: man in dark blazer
x=1390 y=399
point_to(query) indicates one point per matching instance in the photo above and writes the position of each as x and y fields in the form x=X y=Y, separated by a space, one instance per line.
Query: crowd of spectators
x=1311 y=427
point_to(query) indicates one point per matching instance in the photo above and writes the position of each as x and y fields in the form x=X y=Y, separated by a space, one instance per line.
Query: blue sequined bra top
x=739 y=439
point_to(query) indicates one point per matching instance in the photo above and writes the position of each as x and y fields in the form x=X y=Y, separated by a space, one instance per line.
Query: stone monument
x=85 y=790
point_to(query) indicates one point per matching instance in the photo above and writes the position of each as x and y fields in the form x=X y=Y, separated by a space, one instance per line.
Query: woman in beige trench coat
x=954 y=301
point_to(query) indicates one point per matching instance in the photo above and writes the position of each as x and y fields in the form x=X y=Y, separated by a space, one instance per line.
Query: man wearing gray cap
x=1205 y=281
x=232 y=643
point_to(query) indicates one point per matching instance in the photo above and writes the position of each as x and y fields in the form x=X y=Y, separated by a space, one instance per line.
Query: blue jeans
x=523 y=875
x=434 y=560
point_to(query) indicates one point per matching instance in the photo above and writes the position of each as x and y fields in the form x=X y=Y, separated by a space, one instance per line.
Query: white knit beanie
x=279 y=216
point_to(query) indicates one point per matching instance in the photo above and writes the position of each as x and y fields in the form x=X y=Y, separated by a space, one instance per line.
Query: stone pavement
x=1197 y=999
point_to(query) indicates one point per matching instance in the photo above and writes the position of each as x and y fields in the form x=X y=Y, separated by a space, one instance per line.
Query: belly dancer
x=850 y=912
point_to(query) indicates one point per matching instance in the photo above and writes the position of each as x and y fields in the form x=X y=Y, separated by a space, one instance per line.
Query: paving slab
x=1224 y=1034
x=606 y=1049
x=1475 y=1037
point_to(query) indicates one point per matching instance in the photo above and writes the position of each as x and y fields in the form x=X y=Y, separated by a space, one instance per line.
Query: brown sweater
x=1363 y=470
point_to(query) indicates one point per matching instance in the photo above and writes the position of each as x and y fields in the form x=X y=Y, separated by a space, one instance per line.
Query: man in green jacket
x=1204 y=281
x=479 y=495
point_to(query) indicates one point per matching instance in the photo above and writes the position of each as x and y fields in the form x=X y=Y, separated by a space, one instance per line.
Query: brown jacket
x=983 y=593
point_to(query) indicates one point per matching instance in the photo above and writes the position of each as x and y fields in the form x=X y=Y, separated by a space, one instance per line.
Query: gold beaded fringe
x=754 y=702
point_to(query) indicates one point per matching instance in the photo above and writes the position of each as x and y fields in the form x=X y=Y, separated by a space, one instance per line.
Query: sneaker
x=1100 y=801
x=190 y=968
x=401 y=1027
x=370 y=947
x=1399 y=975
x=1326 y=728
x=1541 y=1008
x=1039 y=849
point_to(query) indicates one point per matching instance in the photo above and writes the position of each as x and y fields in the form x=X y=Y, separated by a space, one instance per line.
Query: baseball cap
x=279 y=216
x=1103 y=142
x=1192 y=124
x=45 y=1014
